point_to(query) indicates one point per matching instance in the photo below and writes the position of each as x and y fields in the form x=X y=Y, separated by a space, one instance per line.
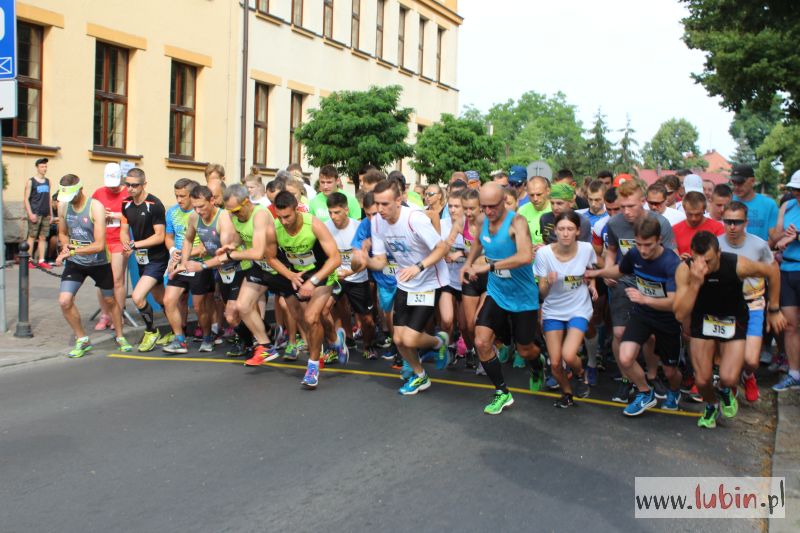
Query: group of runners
x=682 y=284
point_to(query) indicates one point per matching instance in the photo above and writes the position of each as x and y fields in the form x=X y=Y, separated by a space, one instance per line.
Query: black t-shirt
x=141 y=219
x=581 y=202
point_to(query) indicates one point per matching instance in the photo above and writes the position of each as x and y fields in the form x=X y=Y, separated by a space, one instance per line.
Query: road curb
x=786 y=461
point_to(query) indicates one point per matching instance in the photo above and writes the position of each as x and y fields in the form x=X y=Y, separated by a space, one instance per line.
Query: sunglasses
x=670 y=192
x=429 y=194
x=656 y=204
x=733 y=221
x=491 y=206
x=238 y=207
x=133 y=185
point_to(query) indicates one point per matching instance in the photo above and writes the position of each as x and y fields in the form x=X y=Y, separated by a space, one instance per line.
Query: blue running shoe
x=341 y=346
x=640 y=404
x=503 y=353
x=671 y=403
x=311 y=379
x=406 y=372
x=281 y=338
x=441 y=355
x=518 y=361
x=787 y=383
x=415 y=384
x=551 y=383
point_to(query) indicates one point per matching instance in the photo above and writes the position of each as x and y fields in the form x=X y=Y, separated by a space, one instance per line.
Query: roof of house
x=650 y=176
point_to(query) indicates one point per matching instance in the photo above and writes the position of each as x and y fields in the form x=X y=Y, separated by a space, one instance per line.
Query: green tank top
x=210 y=237
x=300 y=252
x=245 y=231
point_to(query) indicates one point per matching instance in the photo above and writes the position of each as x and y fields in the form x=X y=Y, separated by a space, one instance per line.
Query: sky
x=625 y=57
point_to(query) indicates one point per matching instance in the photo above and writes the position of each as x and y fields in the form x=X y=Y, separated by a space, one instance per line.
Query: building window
x=355 y=25
x=262 y=6
x=182 y=109
x=27 y=126
x=421 y=51
x=379 y=29
x=327 y=19
x=295 y=121
x=260 y=125
x=297 y=12
x=110 y=96
x=401 y=38
x=439 y=37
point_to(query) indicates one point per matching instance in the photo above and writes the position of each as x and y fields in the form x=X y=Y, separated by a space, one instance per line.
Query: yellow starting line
x=388 y=375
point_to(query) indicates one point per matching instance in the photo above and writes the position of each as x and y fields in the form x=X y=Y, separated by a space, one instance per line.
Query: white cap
x=112 y=175
x=693 y=182
x=794 y=183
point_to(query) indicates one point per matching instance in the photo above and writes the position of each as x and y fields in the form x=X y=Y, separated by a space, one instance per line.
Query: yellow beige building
x=162 y=84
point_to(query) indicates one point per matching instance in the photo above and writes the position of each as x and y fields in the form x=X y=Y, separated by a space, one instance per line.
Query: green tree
x=753 y=126
x=599 y=151
x=781 y=148
x=744 y=154
x=455 y=144
x=674 y=146
x=353 y=128
x=752 y=51
x=626 y=155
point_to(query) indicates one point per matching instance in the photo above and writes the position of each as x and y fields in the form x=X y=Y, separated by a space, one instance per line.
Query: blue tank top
x=513 y=289
x=791 y=255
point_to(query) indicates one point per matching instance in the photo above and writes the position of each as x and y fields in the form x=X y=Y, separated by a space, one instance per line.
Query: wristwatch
x=420 y=266
x=491 y=267
x=314 y=281
x=774 y=310
x=228 y=255
x=204 y=266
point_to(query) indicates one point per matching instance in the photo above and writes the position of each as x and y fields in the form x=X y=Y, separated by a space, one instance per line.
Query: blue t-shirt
x=522 y=201
x=653 y=278
x=364 y=232
x=177 y=221
x=762 y=215
x=791 y=255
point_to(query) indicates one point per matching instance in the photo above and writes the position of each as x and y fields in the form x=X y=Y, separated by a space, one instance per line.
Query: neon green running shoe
x=330 y=356
x=709 y=418
x=82 y=347
x=166 y=339
x=536 y=379
x=500 y=401
x=124 y=345
x=148 y=341
x=729 y=405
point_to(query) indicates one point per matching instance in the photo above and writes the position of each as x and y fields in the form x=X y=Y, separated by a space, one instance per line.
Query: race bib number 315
x=722 y=327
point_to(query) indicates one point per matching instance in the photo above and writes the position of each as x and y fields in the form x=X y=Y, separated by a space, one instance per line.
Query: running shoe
x=281 y=338
x=729 y=405
x=695 y=395
x=311 y=379
x=329 y=356
x=551 y=383
x=388 y=355
x=415 y=384
x=472 y=359
x=44 y=265
x=82 y=347
x=591 y=376
x=517 y=361
x=165 y=339
x=262 y=353
x=406 y=371
x=623 y=392
x=579 y=388
x=479 y=371
x=228 y=333
x=751 y=392
x=149 y=340
x=640 y=404
x=686 y=384
x=671 y=403
x=709 y=418
x=341 y=346
x=564 y=402
x=778 y=360
x=370 y=353
x=398 y=362
x=206 y=346
x=441 y=354
x=536 y=374
x=787 y=383
x=383 y=340
x=461 y=347
x=124 y=345
x=176 y=346
x=357 y=334
x=103 y=324
x=290 y=352
x=503 y=353
x=658 y=388
x=452 y=356
x=197 y=333
x=500 y=401
x=302 y=346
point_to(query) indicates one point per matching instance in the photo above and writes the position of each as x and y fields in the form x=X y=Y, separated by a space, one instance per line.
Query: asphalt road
x=106 y=444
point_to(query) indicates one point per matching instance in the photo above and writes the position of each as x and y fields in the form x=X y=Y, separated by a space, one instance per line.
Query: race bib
x=650 y=288
x=426 y=298
x=301 y=260
x=263 y=265
x=572 y=283
x=142 y=258
x=390 y=269
x=187 y=273
x=112 y=222
x=502 y=273
x=461 y=259
x=227 y=273
x=722 y=327
x=78 y=244
x=347 y=259
x=625 y=245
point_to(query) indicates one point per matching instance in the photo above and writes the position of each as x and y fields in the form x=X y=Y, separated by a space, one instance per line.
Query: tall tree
x=744 y=154
x=455 y=144
x=599 y=150
x=753 y=125
x=353 y=128
x=626 y=155
x=674 y=146
x=752 y=51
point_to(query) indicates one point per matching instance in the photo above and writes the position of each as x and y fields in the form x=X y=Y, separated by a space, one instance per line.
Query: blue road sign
x=8 y=40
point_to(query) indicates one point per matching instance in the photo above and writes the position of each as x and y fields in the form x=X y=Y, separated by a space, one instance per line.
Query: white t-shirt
x=411 y=239
x=454 y=269
x=262 y=201
x=310 y=192
x=569 y=295
x=671 y=214
x=344 y=238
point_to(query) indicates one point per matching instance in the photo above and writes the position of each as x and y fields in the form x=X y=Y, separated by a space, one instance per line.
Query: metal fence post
x=23 y=322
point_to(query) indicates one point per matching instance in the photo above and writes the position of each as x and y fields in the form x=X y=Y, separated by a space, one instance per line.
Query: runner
x=657 y=202
x=82 y=235
x=539 y=194
x=419 y=252
x=473 y=292
x=567 y=306
x=763 y=211
x=143 y=216
x=305 y=256
x=327 y=185
x=597 y=207
x=737 y=241
x=694 y=207
x=353 y=276
x=709 y=296
x=721 y=197
x=36 y=200
x=562 y=198
x=450 y=311
x=512 y=300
